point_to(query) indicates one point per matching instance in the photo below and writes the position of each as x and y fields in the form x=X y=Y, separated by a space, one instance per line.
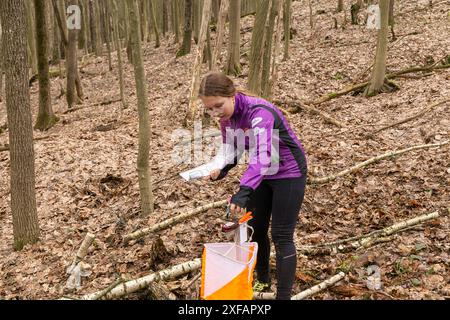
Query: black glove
x=242 y=197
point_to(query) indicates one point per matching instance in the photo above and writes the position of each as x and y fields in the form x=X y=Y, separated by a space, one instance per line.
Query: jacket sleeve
x=261 y=138
x=228 y=156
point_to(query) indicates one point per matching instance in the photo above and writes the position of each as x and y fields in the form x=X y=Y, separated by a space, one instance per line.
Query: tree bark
x=378 y=78
x=257 y=47
x=187 y=35
x=104 y=14
x=155 y=23
x=172 y=221
x=141 y=283
x=195 y=84
x=307 y=293
x=287 y=17
x=197 y=18
x=115 y=19
x=220 y=30
x=234 y=43
x=268 y=46
x=22 y=183
x=143 y=168
x=46 y=118
x=30 y=35
x=72 y=65
x=340 y=5
x=176 y=20
x=1 y=67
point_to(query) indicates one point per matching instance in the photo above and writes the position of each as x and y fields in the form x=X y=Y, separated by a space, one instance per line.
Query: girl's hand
x=213 y=175
x=236 y=210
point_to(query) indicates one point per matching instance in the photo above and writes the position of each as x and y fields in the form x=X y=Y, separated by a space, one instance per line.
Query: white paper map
x=199 y=172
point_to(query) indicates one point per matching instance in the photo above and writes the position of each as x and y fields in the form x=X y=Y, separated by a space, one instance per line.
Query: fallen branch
x=82 y=251
x=297 y=105
x=172 y=221
x=104 y=292
x=192 y=281
x=389 y=154
x=307 y=293
x=365 y=241
x=141 y=283
x=355 y=87
x=425 y=110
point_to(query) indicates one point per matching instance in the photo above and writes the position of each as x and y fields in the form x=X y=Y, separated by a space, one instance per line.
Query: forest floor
x=86 y=178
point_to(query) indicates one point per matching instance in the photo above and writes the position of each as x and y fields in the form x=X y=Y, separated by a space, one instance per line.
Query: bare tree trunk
x=391 y=19
x=340 y=5
x=72 y=65
x=30 y=35
x=23 y=197
x=144 y=20
x=1 y=65
x=46 y=118
x=85 y=31
x=97 y=22
x=195 y=84
x=220 y=30
x=312 y=22
x=234 y=45
x=257 y=47
x=277 y=47
x=379 y=71
x=95 y=32
x=128 y=35
x=197 y=18
x=267 y=55
x=176 y=20
x=187 y=37
x=287 y=27
x=144 y=171
x=119 y=53
x=155 y=23
x=106 y=28
x=165 y=28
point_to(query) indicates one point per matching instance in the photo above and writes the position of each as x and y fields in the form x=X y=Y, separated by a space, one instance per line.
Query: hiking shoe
x=260 y=286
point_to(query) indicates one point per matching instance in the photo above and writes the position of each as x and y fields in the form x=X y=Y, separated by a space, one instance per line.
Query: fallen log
x=141 y=283
x=172 y=221
x=367 y=240
x=355 y=168
x=104 y=292
x=307 y=293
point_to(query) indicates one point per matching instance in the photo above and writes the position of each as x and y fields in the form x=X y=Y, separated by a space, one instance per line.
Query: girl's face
x=219 y=107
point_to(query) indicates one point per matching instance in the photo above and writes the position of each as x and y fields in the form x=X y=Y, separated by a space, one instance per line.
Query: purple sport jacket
x=267 y=127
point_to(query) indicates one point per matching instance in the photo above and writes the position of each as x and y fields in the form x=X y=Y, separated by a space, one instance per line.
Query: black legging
x=281 y=198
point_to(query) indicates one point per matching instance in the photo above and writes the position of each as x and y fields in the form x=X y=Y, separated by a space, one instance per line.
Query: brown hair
x=217 y=84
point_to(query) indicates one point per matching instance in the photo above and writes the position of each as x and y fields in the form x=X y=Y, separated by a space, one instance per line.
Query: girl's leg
x=287 y=199
x=261 y=205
